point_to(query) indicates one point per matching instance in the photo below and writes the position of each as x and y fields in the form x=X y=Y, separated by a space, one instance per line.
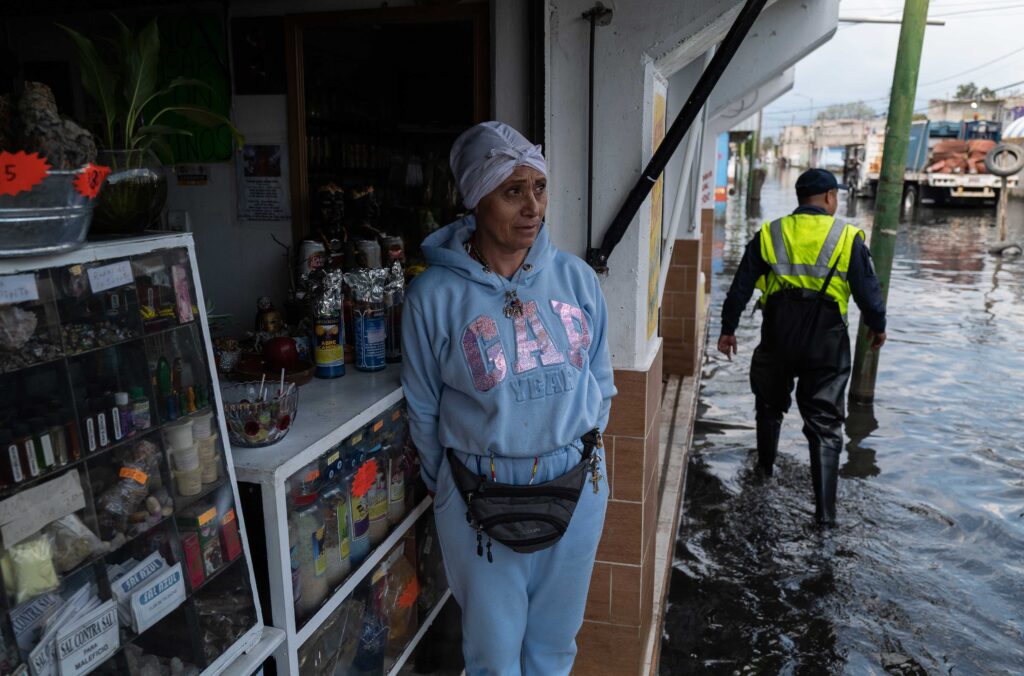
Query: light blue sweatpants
x=521 y=613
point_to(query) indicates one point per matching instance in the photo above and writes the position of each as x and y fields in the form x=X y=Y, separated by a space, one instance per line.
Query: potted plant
x=124 y=82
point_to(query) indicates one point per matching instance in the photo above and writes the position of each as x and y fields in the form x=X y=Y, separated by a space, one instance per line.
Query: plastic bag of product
x=31 y=565
x=140 y=470
x=72 y=542
x=399 y=603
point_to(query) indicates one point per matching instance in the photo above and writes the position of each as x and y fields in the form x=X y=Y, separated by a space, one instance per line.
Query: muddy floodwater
x=925 y=572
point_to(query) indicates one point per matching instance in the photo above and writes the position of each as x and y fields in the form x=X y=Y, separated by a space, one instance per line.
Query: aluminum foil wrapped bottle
x=328 y=327
x=368 y=317
x=394 y=297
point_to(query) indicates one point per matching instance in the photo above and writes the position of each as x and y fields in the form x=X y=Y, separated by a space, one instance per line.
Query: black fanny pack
x=525 y=518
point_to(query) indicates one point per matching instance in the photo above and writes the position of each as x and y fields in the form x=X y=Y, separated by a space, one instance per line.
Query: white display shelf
x=328 y=412
x=250 y=662
x=123 y=248
x=429 y=620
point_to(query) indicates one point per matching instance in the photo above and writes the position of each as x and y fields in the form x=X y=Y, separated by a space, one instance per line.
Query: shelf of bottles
x=118 y=516
x=354 y=565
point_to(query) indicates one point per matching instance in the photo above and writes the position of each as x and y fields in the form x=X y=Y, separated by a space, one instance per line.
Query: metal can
x=369 y=321
x=329 y=346
x=368 y=254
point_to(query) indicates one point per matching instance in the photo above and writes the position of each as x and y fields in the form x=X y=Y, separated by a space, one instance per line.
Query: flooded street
x=925 y=572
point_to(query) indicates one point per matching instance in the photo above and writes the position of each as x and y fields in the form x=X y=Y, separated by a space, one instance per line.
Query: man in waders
x=806 y=265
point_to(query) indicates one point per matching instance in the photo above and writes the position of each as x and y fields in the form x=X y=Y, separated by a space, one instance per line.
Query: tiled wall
x=619 y=606
x=681 y=309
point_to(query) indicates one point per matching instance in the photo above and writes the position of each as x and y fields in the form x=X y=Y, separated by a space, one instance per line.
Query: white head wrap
x=486 y=154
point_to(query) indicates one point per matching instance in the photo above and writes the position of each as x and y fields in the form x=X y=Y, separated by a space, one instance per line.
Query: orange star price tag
x=364 y=479
x=21 y=171
x=90 y=180
x=409 y=594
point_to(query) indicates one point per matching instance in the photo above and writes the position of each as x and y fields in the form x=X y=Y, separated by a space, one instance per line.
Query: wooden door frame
x=478 y=14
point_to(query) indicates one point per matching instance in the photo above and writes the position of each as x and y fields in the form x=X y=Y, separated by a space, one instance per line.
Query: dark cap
x=816 y=182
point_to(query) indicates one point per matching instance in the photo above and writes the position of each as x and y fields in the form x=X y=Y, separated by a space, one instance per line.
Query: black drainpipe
x=597 y=15
x=598 y=258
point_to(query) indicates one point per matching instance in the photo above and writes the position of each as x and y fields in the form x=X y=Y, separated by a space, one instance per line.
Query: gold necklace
x=513 y=306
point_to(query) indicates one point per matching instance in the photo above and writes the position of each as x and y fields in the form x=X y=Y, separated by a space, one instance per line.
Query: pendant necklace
x=513 y=306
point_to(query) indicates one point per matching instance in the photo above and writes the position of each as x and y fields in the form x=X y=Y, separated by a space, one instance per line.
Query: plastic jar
x=310 y=532
x=178 y=435
x=337 y=541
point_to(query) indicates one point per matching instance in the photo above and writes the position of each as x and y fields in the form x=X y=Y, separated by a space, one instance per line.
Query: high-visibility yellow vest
x=801 y=249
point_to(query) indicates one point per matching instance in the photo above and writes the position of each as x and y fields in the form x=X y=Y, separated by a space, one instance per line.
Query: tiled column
x=679 y=308
x=619 y=607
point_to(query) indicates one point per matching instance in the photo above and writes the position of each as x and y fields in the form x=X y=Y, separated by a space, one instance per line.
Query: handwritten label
x=135 y=475
x=228 y=518
x=21 y=171
x=110 y=276
x=18 y=289
x=85 y=645
x=378 y=425
x=90 y=180
x=396 y=415
x=207 y=516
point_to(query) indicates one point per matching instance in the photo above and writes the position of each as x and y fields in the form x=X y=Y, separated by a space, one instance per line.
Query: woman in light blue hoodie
x=506 y=363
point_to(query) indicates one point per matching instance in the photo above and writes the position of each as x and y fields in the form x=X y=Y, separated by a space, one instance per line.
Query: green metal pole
x=890 y=182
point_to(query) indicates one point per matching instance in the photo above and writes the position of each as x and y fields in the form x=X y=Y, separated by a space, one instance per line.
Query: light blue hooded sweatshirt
x=484 y=384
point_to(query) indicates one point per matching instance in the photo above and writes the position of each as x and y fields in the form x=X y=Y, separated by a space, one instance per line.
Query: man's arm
x=752 y=267
x=867 y=291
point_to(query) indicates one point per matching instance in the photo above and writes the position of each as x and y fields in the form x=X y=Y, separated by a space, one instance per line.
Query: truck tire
x=1006 y=159
x=908 y=206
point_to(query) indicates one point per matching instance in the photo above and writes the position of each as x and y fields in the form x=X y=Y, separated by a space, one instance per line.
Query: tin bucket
x=50 y=218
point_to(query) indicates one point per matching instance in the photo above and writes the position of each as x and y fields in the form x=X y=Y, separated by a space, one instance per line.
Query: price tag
x=409 y=594
x=110 y=276
x=136 y=475
x=18 y=289
x=378 y=425
x=207 y=516
x=90 y=180
x=21 y=171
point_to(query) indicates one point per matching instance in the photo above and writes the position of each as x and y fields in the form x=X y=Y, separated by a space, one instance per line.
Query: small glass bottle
x=117 y=433
x=102 y=417
x=124 y=412
x=26 y=448
x=58 y=437
x=45 y=456
x=141 y=416
x=11 y=460
x=72 y=439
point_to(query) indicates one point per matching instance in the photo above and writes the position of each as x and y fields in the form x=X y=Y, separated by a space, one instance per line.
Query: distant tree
x=969 y=90
x=857 y=110
x=767 y=143
x=918 y=117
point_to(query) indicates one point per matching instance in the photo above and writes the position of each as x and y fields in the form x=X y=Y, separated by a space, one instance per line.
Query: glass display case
x=123 y=550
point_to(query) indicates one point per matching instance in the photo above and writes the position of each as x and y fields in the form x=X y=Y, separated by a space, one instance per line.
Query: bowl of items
x=258 y=413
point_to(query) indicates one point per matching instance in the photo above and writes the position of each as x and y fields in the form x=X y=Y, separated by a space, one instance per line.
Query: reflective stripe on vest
x=819 y=270
x=804 y=232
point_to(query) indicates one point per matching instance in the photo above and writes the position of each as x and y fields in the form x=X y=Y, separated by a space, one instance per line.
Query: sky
x=982 y=41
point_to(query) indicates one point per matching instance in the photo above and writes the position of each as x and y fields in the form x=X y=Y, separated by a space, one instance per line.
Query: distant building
x=822 y=144
x=1003 y=110
x=796 y=146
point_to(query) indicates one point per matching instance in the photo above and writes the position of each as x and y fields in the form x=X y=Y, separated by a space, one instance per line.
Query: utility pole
x=890 y=182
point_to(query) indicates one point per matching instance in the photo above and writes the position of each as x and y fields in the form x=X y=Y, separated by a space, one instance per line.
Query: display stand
x=329 y=413
x=106 y=370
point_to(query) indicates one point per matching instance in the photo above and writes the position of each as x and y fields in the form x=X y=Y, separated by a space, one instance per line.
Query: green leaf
x=204 y=117
x=141 y=72
x=175 y=83
x=98 y=79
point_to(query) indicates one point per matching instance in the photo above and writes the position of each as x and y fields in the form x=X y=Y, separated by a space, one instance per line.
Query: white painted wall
x=645 y=37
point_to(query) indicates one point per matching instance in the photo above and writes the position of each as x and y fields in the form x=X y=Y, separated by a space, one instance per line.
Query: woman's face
x=511 y=214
